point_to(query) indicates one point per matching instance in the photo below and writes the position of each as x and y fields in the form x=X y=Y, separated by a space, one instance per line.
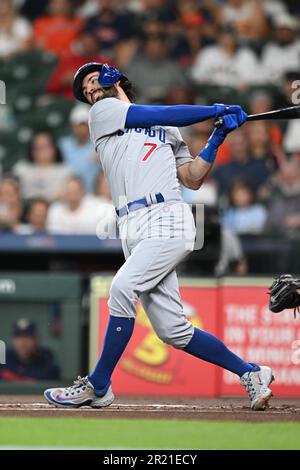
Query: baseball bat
x=292 y=112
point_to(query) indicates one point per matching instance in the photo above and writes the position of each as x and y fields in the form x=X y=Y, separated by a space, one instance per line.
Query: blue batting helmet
x=108 y=77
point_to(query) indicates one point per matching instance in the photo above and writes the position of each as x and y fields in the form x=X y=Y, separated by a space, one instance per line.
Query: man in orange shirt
x=61 y=80
x=57 y=31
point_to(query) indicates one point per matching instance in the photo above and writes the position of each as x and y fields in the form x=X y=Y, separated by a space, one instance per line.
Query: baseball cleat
x=257 y=386
x=82 y=393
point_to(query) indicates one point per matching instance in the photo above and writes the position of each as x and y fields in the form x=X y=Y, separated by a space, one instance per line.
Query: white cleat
x=257 y=386
x=82 y=393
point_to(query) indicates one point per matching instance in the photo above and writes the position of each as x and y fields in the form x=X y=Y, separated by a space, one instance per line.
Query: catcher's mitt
x=285 y=293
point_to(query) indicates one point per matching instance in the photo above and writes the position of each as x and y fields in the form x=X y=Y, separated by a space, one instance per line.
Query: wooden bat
x=293 y=112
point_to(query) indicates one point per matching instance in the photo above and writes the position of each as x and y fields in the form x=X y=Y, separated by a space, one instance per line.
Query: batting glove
x=224 y=109
x=231 y=122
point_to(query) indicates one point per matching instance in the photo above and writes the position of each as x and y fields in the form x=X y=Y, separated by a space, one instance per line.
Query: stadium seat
x=30 y=65
x=27 y=75
x=22 y=98
x=53 y=116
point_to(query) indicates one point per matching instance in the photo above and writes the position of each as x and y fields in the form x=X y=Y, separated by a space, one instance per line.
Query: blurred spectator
x=232 y=259
x=207 y=194
x=188 y=45
x=152 y=25
x=179 y=94
x=226 y=64
x=31 y=9
x=87 y=8
x=79 y=213
x=77 y=149
x=15 y=31
x=222 y=252
x=291 y=96
x=188 y=34
x=188 y=10
x=293 y=6
x=42 y=175
x=262 y=102
x=256 y=172
x=35 y=218
x=247 y=16
x=196 y=137
x=27 y=361
x=274 y=8
x=102 y=189
x=282 y=54
x=10 y=204
x=244 y=214
x=57 y=31
x=162 y=10
x=114 y=30
x=61 y=80
x=153 y=72
x=261 y=144
x=284 y=210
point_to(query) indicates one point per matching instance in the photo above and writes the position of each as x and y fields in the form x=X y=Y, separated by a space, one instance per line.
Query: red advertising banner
x=235 y=310
x=262 y=337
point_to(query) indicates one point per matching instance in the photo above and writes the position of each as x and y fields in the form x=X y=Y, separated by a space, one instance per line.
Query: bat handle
x=218 y=122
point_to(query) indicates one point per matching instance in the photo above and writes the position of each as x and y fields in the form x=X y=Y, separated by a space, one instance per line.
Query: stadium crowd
x=175 y=51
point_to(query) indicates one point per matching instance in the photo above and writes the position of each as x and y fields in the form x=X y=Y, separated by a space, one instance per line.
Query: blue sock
x=209 y=348
x=118 y=333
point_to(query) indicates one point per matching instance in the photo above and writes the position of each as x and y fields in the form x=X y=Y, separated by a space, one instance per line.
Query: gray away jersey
x=137 y=162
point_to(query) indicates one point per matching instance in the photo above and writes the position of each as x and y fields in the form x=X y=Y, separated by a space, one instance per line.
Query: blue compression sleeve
x=178 y=116
x=209 y=348
x=117 y=336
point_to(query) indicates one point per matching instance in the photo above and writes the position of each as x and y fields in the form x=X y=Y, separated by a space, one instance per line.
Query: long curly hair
x=128 y=88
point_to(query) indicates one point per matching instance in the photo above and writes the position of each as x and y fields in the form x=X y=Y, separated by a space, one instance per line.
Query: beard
x=110 y=92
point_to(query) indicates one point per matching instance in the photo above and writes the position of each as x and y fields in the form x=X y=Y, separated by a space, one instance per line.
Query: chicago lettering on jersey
x=159 y=132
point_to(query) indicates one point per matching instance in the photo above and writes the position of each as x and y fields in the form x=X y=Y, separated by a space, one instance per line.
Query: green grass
x=146 y=434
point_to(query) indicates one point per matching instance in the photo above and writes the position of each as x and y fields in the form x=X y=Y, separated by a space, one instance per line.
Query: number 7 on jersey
x=150 y=151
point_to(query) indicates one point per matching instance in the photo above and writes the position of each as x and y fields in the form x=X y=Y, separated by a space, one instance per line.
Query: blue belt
x=138 y=204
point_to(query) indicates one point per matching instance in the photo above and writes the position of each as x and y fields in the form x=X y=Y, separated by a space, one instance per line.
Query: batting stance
x=144 y=158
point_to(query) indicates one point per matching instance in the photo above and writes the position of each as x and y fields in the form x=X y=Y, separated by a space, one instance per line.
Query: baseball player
x=144 y=158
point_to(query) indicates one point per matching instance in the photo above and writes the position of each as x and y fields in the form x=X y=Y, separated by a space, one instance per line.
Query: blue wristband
x=209 y=152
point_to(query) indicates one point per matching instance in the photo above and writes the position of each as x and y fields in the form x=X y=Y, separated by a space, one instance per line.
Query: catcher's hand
x=285 y=293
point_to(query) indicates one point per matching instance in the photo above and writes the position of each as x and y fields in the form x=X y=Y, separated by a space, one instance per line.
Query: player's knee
x=121 y=286
x=178 y=337
x=122 y=298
